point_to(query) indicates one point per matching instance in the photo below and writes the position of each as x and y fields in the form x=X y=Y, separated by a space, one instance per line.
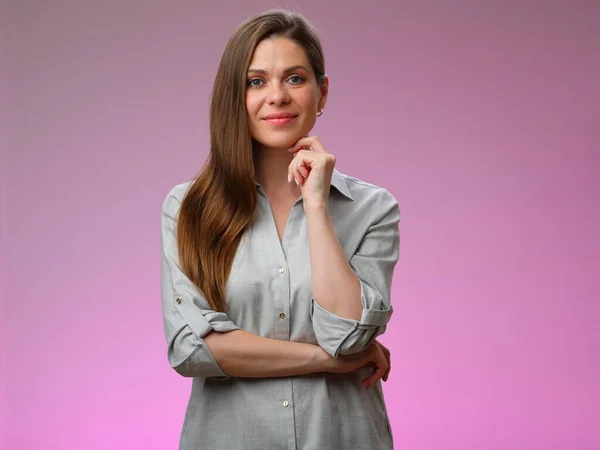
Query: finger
x=312 y=142
x=292 y=175
x=388 y=358
x=377 y=373
x=296 y=173
x=304 y=164
x=389 y=366
x=300 y=165
x=299 y=145
x=316 y=145
x=304 y=170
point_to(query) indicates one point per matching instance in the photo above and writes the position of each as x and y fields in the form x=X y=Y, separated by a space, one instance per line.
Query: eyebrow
x=287 y=70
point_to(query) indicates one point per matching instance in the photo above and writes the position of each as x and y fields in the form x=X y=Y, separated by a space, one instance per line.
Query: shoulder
x=370 y=196
x=174 y=198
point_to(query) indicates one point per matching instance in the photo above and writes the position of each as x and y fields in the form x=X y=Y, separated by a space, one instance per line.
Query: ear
x=324 y=90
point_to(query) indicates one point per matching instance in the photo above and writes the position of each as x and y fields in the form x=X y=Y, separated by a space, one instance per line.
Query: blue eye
x=253 y=82
x=298 y=78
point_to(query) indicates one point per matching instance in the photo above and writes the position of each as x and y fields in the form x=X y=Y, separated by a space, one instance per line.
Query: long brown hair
x=220 y=202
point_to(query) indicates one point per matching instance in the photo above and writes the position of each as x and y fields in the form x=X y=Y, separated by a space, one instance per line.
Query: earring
x=320 y=112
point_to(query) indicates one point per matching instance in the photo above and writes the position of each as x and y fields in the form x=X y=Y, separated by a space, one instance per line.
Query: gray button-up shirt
x=269 y=294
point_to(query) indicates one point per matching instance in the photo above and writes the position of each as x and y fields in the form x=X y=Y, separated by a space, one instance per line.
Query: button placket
x=282 y=271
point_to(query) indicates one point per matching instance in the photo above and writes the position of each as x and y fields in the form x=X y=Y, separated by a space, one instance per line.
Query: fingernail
x=289 y=178
x=297 y=182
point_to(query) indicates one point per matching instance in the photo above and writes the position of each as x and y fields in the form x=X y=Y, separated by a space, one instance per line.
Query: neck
x=271 y=171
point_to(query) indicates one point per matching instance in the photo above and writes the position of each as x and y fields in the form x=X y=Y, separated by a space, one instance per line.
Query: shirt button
x=281 y=270
x=282 y=315
x=178 y=301
x=286 y=403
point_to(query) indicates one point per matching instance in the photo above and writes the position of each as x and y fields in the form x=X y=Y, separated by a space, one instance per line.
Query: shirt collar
x=338 y=182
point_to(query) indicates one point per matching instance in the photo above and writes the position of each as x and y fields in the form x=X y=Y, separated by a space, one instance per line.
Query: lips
x=279 y=119
x=280 y=116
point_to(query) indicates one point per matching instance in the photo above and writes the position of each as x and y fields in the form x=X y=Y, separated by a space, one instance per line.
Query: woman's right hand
x=374 y=356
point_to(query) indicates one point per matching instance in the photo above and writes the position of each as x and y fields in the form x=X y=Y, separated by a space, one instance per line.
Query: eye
x=255 y=82
x=296 y=79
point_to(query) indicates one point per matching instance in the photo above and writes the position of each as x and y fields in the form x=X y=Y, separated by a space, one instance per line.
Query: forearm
x=243 y=354
x=335 y=286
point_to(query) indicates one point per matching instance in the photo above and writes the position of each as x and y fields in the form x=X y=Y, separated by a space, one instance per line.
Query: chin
x=278 y=142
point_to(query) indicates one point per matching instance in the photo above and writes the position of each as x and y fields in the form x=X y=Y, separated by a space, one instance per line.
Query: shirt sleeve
x=373 y=262
x=187 y=316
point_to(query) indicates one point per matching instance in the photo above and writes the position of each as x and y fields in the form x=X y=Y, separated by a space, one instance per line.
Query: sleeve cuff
x=339 y=335
x=202 y=324
x=201 y=360
x=330 y=329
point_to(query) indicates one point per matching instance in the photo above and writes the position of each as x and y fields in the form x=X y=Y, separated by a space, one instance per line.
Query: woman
x=277 y=268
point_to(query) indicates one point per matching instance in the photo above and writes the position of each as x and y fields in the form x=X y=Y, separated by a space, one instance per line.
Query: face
x=282 y=94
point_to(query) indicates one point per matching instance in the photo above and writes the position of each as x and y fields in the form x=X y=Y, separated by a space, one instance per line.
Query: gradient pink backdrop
x=481 y=117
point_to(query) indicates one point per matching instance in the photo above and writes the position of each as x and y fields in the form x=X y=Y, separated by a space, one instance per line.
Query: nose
x=277 y=94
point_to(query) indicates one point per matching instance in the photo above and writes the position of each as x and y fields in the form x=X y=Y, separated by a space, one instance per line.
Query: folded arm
x=204 y=343
x=351 y=304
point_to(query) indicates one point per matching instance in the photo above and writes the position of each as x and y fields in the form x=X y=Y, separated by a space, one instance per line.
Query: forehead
x=278 y=53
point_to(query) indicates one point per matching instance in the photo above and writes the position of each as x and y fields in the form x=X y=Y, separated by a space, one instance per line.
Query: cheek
x=252 y=106
x=309 y=122
x=309 y=105
x=252 y=110
x=308 y=99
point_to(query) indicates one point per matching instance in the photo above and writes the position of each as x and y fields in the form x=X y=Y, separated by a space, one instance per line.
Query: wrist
x=322 y=361
x=316 y=209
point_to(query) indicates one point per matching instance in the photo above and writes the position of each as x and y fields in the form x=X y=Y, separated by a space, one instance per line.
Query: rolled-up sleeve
x=187 y=316
x=373 y=262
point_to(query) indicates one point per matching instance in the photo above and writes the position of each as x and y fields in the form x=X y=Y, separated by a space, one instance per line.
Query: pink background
x=481 y=117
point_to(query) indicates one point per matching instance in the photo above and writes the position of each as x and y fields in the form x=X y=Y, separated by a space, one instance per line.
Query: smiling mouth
x=280 y=120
